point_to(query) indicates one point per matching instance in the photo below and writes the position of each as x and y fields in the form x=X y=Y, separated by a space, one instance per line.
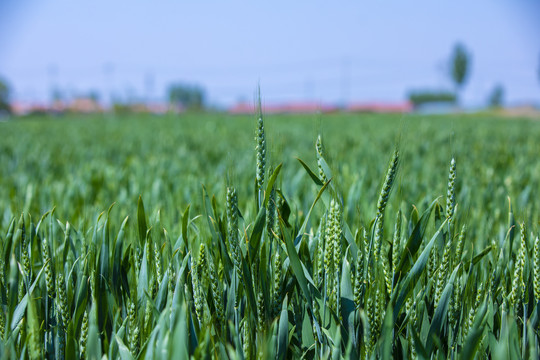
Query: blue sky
x=304 y=50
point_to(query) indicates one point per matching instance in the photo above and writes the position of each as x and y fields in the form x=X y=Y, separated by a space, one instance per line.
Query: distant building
x=285 y=108
x=79 y=105
x=158 y=108
x=380 y=107
x=241 y=109
x=314 y=107
x=524 y=110
x=85 y=105
x=20 y=108
x=58 y=107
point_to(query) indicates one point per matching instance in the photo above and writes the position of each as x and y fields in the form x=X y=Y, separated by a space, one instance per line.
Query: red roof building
x=379 y=107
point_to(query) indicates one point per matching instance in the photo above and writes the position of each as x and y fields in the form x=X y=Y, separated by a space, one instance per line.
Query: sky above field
x=323 y=51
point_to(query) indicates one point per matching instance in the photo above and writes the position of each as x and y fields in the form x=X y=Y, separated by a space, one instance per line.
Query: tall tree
x=4 y=96
x=460 y=64
x=496 y=98
x=538 y=68
x=188 y=96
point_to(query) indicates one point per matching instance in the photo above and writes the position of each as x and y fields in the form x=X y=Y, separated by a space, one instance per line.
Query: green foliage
x=418 y=98
x=4 y=97
x=186 y=95
x=496 y=97
x=459 y=65
x=306 y=269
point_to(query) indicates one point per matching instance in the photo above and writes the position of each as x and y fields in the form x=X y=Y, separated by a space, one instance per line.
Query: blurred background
x=307 y=56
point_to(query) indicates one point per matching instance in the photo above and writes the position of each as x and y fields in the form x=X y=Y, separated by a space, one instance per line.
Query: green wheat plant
x=310 y=267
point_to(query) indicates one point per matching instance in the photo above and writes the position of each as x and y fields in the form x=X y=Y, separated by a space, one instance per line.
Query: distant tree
x=419 y=98
x=459 y=66
x=187 y=96
x=4 y=97
x=56 y=95
x=93 y=95
x=496 y=98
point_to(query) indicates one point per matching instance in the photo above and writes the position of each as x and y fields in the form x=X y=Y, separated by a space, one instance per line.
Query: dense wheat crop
x=330 y=236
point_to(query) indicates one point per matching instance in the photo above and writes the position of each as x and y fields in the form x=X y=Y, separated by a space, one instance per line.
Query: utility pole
x=345 y=81
x=308 y=90
x=52 y=73
x=149 y=80
x=108 y=74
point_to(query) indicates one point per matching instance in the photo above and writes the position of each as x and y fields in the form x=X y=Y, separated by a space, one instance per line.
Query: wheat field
x=270 y=237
